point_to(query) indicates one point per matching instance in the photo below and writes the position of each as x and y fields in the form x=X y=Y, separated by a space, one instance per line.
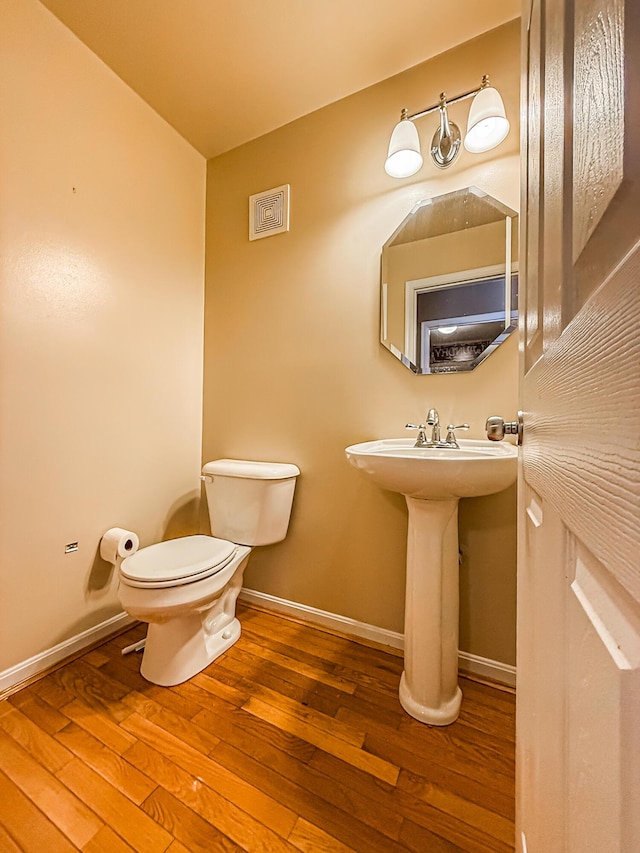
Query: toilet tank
x=249 y=502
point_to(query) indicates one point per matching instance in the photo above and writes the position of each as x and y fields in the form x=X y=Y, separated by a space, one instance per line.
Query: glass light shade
x=404 y=157
x=488 y=124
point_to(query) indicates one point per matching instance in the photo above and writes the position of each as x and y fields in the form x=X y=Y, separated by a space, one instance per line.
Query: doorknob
x=497 y=428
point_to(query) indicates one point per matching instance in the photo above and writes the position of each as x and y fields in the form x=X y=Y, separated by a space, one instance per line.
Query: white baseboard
x=50 y=657
x=323 y=618
x=503 y=673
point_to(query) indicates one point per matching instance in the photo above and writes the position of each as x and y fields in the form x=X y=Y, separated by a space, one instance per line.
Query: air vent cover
x=269 y=212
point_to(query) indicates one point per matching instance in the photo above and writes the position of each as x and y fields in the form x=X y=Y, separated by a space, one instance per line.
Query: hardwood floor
x=293 y=740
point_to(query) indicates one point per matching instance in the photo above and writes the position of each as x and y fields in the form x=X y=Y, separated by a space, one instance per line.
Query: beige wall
x=102 y=248
x=293 y=367
x=101 y=240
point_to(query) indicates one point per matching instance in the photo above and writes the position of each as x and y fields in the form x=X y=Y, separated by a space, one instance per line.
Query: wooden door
x=578 y=713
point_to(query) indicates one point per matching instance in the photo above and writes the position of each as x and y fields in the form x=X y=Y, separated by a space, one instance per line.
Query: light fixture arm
x=444 y=101
x=445 y=128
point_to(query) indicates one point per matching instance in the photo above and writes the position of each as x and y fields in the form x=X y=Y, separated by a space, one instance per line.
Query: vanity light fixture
x=487 y=126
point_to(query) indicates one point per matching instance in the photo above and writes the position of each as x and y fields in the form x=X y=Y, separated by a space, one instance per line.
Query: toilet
x=186 y=588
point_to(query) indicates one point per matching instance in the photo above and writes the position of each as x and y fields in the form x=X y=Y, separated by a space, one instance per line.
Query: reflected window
x=459 y=323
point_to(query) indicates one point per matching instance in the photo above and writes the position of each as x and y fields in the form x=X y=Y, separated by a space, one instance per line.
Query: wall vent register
x=269 y=212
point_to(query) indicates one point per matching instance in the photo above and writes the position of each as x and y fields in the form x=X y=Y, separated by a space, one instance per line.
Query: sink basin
x=432 y=481
x=434 y=473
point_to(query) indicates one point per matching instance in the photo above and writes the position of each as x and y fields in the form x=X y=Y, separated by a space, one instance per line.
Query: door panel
x=606 y=160
x=599 y=103
x=603 y=689
x=580 y=441
x=578 y=726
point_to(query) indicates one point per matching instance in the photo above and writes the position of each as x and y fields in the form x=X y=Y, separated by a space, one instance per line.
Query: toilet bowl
x=187 y=588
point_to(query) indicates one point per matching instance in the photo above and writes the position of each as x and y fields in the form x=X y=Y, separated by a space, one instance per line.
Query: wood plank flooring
x=293 y=740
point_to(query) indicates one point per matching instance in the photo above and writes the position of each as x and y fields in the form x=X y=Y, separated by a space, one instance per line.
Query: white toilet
x=186 y=589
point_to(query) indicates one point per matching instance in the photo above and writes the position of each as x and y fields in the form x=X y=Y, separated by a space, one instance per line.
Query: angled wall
x=102 y=254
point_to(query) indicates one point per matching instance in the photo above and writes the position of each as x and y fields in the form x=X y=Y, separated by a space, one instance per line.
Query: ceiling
x=222 y=72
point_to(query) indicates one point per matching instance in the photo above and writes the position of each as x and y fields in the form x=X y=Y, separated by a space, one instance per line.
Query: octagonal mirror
x=447 y=300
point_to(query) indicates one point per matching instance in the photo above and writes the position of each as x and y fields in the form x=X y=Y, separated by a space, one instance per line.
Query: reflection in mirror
x=446 y=300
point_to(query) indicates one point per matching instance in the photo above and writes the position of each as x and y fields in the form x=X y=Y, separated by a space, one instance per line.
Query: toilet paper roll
x=117 y=543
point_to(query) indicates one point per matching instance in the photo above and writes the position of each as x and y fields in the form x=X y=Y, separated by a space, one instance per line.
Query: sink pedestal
x=433 y=479
x=429 y=685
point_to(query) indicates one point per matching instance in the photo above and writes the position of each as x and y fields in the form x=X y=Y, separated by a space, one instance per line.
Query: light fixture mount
x=487 y=126
x=446 y=142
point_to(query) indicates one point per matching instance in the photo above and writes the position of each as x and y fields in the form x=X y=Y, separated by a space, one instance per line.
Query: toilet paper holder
x=118 y=543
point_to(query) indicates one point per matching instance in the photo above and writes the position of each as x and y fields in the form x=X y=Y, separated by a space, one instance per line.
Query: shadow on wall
x=100 y=574
x=182 y=519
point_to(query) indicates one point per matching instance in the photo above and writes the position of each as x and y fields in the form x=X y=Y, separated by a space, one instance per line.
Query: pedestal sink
x=432 y=481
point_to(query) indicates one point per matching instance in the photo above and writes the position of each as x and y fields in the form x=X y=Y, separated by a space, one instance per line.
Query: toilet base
x=190 y=625
x=177 y=650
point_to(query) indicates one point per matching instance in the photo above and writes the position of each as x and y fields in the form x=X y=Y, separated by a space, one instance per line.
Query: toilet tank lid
x=250 y=470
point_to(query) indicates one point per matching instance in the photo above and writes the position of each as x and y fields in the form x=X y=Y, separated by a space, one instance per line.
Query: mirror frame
x=409 y=356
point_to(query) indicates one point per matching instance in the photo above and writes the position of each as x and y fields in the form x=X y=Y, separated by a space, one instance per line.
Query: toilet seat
x=177 y=562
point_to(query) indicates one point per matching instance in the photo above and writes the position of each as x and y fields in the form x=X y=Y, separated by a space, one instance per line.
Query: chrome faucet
x=433 y=420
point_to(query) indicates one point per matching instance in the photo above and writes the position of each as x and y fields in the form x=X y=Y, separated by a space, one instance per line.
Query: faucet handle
x=451 y=436
x=421 y=439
